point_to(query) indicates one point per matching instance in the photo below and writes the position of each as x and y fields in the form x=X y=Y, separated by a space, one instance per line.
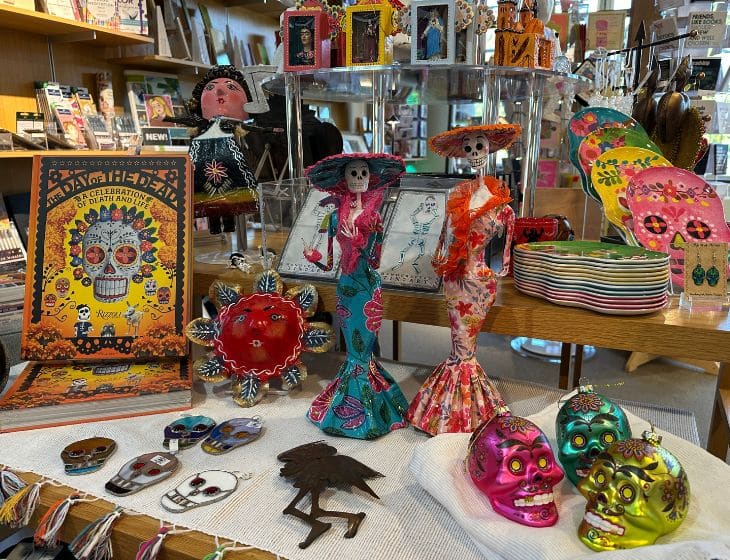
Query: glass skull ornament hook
x=260 y=336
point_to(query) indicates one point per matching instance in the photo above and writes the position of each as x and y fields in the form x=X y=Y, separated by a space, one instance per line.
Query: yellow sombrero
x=500 y=136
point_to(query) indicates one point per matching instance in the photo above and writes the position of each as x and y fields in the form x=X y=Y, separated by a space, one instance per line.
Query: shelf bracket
x=74 y=37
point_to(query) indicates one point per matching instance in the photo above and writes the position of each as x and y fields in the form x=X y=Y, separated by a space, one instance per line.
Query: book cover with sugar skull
x=109 y=258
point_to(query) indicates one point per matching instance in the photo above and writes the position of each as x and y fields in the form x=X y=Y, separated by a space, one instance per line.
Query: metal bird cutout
x=312 y=468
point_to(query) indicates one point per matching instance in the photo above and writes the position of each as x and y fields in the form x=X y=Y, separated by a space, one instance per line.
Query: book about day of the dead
x=50 y=395
x=109 y=258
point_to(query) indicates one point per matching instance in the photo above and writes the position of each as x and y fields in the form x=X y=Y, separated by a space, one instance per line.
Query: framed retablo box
x=108 y=258
x=367 y=25
x=410 y=240
x=432 y=32
x=310 y=229
x=306 y=40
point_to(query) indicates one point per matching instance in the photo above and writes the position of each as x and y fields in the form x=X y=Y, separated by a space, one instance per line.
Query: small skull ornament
x=357 y=176
x=510 y=461
x=141 y=472
x=586 y=425
x=187 y=431
x=476 y=148
x=200 y=489
x=231 y=434
x=637 y=491
x=87 y=456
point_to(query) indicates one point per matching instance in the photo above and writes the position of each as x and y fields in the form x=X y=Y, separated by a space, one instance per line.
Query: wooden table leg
x=718 y=440
x=565 y=349
x=578 y=366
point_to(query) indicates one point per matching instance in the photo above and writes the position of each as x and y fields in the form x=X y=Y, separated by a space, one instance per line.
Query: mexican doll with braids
x=363 y=401
x=458 y=395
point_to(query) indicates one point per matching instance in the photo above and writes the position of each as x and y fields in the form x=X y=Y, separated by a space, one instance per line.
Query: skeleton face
x=188 y=431
x=83 y=312
x=87 y=456
x=200 y=489
x=637 y=491
x=476 y=148
x=150 y=287
x=510 y=461
x=163 y=296
x=111 y=256
x=142 y=471
x=357 y=175
x=62 y=287
x=231 y=434
x=430 y=204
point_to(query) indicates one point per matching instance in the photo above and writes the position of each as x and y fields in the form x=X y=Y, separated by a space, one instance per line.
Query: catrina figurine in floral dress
x=363 y=401
x=458 y=395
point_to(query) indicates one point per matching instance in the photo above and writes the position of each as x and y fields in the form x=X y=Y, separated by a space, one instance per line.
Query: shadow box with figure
x=306 y=40
x=367 y=27
x=432 y=28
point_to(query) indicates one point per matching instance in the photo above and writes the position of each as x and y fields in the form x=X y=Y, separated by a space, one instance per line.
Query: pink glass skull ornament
x=510 y=460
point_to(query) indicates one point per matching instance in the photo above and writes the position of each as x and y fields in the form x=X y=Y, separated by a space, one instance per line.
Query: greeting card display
x=306 y=40
x=433 y=35
x=673 y=207
x=367 y=25
x=108 y=255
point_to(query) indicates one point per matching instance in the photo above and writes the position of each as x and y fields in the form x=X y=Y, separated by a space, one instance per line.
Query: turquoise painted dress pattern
x=363 y=401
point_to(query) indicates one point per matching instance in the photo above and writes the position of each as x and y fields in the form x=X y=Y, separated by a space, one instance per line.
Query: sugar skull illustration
x=112 y=247
x=637 y=491
x=62 y=287
x=150 y=287
x=260 y=336
x=510 y=461
x=673 y=207
x=587 y=424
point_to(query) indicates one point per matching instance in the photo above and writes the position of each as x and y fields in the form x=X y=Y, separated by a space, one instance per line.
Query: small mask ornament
x=260 y=336
x=587 y=424
x=186 y=432
x=637 y=491
x=201 y=489
x=231 y=434
x=88 y=455
x=141 y=472
x=510 y=461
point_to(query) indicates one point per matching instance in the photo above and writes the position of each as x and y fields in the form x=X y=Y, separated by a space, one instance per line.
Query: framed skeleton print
x=306 y=40
x=432 y=32
x=311 y=230
x=367 y=26
x=410 y=240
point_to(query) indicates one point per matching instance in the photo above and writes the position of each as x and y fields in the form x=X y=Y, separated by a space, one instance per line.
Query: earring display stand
x=705 y=278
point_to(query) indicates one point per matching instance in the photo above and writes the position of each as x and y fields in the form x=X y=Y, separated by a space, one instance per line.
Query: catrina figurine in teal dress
x=363 y=401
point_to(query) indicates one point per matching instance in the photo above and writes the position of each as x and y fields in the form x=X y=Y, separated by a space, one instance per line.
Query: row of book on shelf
x=106 y=290
x=68 y=116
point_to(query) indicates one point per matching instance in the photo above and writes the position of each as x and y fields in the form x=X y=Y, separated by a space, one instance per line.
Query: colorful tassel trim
x=18 y=508
x=10 y=483
x=48 y=533
x=94 y=541
x=149 y=549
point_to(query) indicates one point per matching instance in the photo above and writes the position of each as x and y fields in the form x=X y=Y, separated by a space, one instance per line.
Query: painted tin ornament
x=141 y=472
x=258 y=337
x=511 y=462
x=637 y=491
x=231 y=434
x=200 y=489
x=87 y=455
x=187 y=431
x=586 y=425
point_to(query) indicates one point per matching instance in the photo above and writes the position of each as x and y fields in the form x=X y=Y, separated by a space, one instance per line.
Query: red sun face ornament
x=258 y=337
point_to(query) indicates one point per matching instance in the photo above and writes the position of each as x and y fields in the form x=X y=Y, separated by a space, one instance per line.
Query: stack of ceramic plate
x=603 y=277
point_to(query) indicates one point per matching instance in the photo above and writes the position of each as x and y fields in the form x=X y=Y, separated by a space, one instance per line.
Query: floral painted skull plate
x=637 y=491
x=186 y=432
x=587 y=424
x=510 y=460
x=259 y=336
x=231 y=434
x=600 y=141
x=87 y=456
x=589 y=120
x=673 y=207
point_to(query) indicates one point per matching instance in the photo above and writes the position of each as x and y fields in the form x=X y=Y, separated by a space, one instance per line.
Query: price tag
x=160 y=460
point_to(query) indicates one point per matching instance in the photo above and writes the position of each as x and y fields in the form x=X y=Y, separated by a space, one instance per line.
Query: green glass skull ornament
x=587 y=424
x=637 y=491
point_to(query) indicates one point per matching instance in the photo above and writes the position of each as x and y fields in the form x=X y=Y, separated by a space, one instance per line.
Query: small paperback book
x=109 y=268
x=46 y=395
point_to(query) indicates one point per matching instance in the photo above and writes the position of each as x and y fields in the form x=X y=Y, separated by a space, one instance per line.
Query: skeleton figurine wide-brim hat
x=449 y=143
x=328 y=174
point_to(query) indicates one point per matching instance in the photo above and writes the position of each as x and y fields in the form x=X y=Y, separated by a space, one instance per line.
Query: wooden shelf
x=62 y=29
x=28 y=154
x=157 y=62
